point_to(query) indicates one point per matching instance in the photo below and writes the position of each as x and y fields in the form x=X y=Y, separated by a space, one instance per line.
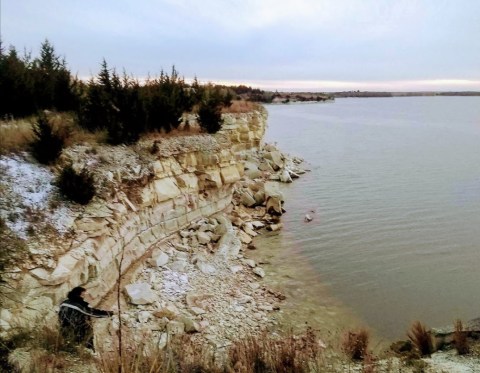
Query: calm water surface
x=395 y=185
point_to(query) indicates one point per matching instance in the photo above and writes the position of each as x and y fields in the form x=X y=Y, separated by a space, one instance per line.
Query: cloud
x=275 y=40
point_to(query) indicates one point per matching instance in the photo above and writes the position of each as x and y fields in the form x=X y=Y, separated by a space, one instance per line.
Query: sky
x=310 y=45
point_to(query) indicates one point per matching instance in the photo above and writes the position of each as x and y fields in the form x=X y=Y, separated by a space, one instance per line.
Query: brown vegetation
x=421 y=338
x=355 y=344
x=15 y=135
x=240 y=106
x=460 y=339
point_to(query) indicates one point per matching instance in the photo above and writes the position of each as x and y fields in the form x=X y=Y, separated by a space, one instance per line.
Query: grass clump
x=460 y=339
x=38 y=350
x=15 y=136
x=291 y=354
x=76 y=186
x=355 y=344
x=421 y=338
x=254 y=354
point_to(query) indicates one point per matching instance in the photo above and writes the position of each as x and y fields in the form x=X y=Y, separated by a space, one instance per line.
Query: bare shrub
x=260 y=354
x=355 y=344
x=291 y=354
x=180 y=355
x=421 y=338
x=460 y=340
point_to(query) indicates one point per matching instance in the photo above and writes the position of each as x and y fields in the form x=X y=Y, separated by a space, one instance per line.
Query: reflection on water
x=395 y=185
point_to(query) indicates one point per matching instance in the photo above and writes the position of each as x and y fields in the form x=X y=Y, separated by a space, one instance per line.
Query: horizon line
x=306 y=85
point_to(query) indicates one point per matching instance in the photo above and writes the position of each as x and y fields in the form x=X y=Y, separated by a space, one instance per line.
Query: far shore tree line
x=117 y=103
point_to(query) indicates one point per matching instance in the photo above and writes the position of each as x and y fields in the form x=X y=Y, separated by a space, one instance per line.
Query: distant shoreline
x=401 y=94
x=286 y=97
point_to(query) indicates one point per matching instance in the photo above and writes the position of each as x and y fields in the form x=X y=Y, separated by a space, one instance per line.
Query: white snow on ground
x=26 y=190
x=450 y=362
x=174 y=283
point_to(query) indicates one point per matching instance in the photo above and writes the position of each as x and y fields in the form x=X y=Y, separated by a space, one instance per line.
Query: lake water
x=395 y=186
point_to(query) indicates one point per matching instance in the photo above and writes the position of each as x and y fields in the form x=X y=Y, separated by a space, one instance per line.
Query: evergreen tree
x=47 y=144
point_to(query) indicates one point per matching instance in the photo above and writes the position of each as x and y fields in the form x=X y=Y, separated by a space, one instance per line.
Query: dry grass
x=301 y=354
x=66 y=124
x=421 y=338
x=262 y=354
x=460 y=339
x=180 y=355
x=15 y=136
x=240 y=106
x=355 y=344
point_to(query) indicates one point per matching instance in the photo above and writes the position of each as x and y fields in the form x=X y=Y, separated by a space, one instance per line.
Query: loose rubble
x=203 y=281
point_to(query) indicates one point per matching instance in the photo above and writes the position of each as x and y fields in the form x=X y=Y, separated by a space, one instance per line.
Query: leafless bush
x=355 y=344
x=460 y=338
x=421 y=338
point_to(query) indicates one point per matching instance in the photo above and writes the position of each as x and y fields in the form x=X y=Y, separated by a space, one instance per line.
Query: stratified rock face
x=143 y=198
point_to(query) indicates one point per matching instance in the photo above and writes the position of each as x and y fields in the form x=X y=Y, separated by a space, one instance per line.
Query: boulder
x=259 y=197
x=163 y=340
x=247 y=199
x=274 y=206
x=245 y=238
x=197 y=310
x=249 y=231
x=276 y=157
x=275 y=227
x=179 y=266
x=252 y=171
x=229 y=245
x=170 y=311
x=259 y=272
x=203 y=238
x=257 y=224
x=175 y=327
x=266 y=166
x=140 y=293
x=191 y=326
x=206 y=268
x=272 y=189
x=236 y=268
x=166 y=189
x=159 y=260
x=285 y=177
x=144 y=316
x=198 y=300
x=250 y=262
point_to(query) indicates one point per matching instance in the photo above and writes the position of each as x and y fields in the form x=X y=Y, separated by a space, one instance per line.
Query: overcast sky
x=273 y=44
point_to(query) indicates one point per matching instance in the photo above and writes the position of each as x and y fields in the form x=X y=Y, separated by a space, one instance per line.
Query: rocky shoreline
x=202 y=280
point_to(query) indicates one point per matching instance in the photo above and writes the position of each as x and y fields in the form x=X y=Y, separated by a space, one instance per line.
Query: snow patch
x=27 y=191
x=174 y=283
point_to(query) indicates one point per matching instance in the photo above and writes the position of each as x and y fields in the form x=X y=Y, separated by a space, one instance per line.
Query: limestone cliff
x=145 y=193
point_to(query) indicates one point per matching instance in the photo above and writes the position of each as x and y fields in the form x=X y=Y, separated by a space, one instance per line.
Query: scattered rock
x=175 y=327
x=159 y=260
x=250 y=262
x=140 y=293
x=259 y=272
x=206 y=268
x=179 y=266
